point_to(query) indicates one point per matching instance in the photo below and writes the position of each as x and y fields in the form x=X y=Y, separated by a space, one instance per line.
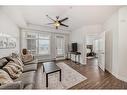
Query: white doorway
x=96 y=47
x=101 y=51
x=98 y=44
x=60 y=46
x=90 y=47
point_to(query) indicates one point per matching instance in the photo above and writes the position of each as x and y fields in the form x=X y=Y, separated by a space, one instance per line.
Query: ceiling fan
x=58 y=22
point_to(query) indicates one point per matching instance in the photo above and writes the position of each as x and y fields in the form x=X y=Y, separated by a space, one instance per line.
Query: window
x=44 y=44
x=31 y=35
x=38 y=43
x=31 y=39
x=32 y=45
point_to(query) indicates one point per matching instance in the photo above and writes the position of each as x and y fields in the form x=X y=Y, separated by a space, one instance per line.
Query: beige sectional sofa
x=23 y=80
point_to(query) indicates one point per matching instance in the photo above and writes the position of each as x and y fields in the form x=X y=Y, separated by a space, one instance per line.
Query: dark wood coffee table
x=50 y=67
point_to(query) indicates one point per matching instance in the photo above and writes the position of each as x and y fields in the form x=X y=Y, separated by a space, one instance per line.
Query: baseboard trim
x=122 y=78
x=117 y=76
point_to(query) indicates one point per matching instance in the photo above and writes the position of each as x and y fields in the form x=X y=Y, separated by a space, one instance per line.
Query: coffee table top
x=50 y=67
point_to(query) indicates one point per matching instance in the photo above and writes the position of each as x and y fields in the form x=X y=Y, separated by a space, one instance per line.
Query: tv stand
x=76 y=54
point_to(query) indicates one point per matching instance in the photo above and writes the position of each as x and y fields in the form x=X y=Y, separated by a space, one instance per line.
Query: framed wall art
x=7 y=41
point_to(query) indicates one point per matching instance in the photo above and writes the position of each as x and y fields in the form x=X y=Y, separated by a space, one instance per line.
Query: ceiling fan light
x=57 y=24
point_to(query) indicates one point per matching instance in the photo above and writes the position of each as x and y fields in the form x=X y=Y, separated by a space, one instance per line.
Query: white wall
x=46 y=29
x=122 y=47
x=111 y=50
x=8 y=27
x=94 y=30
x=80 y=36
x=90 y=40
x=116 y=46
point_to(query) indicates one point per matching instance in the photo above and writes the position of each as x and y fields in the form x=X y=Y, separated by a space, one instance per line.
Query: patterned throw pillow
x=3 y=62
x=13 y=69
x=14 y=55
x=9 y=58
x=18 y=61
x=4 y=78
x=15 y=58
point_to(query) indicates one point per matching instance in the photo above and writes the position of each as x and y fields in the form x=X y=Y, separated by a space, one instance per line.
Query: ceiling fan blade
x=64 y=25
x=49 y=23
x=50 y=18
x=63 y=19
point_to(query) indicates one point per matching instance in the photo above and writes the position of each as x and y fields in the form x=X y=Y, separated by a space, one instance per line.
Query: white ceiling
x=78 y=15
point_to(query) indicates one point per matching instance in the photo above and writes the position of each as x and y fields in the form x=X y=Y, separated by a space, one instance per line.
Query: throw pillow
x=14 y=55
x=9 y=58
x=13 y=69
x=3 y=62
x=13 y=85
x=4 y=78
x=18 y=61
x=15 y=58
x=27 y=58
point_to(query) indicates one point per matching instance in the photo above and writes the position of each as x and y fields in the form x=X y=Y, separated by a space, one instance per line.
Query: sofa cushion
x=4 y=78
x=3 y=62
x=29 y=86
x=31 y=62
x=27 y=78
x=13 y=69
x=31 y=67
x=13 y=85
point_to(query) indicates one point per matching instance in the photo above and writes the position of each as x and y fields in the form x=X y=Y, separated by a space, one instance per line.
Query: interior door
x=101 y=52
x=96 y=47
x=60 y=46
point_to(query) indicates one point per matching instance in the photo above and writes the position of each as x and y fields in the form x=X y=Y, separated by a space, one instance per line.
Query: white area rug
x=70 y=77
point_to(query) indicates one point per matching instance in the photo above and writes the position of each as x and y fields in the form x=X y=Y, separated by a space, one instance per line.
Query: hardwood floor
x=96 y=78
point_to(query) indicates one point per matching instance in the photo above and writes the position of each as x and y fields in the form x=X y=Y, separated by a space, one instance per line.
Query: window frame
x=45 y=39
x=61 y=36
x=37 y=39
x=36 y=43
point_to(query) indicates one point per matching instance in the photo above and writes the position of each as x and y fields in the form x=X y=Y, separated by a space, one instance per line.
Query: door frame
x=102 y=37
x=97 y=38
x=56 y=56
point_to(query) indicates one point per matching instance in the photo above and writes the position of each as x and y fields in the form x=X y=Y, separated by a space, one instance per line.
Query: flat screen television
x=74 y=47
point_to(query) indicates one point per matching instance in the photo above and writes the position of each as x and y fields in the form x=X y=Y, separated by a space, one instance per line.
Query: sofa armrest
x=31 y=62
x=14 y=85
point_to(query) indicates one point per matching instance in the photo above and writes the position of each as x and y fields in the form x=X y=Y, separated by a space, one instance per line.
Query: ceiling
x=78 y=15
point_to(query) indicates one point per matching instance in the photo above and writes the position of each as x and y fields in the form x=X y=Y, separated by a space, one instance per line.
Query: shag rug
x=70 y=77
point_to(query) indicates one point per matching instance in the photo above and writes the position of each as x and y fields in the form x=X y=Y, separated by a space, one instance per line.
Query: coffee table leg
x=43 y=69
x=46 y=80
x=60 y=75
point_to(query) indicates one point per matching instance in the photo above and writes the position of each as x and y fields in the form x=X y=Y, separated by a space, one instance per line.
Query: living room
x=32 y=36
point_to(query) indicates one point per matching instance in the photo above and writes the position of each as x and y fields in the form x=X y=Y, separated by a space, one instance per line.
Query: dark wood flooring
x=96 y=78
